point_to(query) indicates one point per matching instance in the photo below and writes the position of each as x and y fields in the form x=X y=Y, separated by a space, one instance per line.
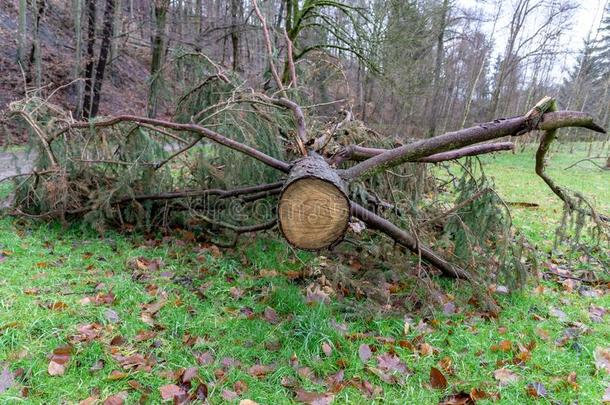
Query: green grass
x=516 y=181
x=45 y=264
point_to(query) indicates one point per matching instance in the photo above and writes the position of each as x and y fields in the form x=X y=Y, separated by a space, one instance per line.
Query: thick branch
x=481 y=133
x=205 y=132
x=359 y=153
x=401 y=237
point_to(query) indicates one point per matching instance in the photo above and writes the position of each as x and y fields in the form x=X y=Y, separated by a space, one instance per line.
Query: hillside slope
x=125 y=86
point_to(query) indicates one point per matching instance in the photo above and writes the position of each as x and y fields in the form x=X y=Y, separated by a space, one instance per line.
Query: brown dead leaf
x=229 y=395
x=313 y=398
x=542 y=334
x=446 y=365
x=505 y=376
x=461 y=398
x=240 y=387
x=536 y=390
x=437 y=379
x=116 y=375
x=327 y=349
x=364 y=352
x=7 y=379
x=602 y=359
x=477 y=394
x=368 y=389
x=205 y=358
x=247 y=402
x=260 y=370
x=59 y=360
x=117 y=399
x=170 y=391
x=270 y=315
x=503 y=346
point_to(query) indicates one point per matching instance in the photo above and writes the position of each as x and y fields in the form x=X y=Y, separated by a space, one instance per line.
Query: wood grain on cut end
x=313 y=213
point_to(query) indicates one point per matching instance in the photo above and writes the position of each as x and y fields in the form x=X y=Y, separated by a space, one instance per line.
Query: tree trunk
x=236 y=7
x=103 y=59
x=78 y=36
x=158 y=50
x=436 y=85
x=23 y=7
x=313 y=209
x=90 y=57
x=38 y=7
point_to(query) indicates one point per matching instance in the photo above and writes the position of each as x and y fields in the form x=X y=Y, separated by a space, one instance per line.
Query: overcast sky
x=586 y=20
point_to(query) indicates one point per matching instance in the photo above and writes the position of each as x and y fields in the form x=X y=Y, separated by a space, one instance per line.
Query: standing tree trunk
x=78 y=13
x=90 y=57
x=440 y=51
x=236 y=15
x=158 y=50
x=38 y=7
x=116 y=30
x=23 y=8
x=103 y=59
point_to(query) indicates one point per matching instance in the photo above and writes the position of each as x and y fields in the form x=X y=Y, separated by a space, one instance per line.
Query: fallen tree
x=314 y=209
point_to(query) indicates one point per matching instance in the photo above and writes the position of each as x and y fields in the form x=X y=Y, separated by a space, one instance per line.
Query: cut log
x=313 y=209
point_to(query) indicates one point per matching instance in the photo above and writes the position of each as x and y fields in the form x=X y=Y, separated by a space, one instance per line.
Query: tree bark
x=90 y=57
x=158 y=50
x=515 y=126
x=103 y=59
x=374 y=221
x=236 y=7
x=78 y=35
x=21 y=52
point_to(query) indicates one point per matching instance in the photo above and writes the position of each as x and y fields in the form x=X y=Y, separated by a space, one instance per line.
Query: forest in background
x=409 y=69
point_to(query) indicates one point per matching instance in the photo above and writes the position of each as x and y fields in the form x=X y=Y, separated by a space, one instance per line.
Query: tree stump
x=313 y=209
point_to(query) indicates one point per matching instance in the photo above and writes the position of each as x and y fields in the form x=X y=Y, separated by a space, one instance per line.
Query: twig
x=588 y=160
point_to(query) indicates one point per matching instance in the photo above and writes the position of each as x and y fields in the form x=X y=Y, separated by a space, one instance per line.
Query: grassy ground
x=247 y=329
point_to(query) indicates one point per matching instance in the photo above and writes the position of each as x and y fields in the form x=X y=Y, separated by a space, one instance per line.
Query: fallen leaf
x=536 y=390
x=606 y=397
x=477 y=394
x=117 y=399
x=368 y=389
x=260 y=370
x=240 y=387
x=364 y=352
x=503 y=346
x=111 y=316
x=270 y=315
x=59 y=359
x=169 y=391
x=505 y=376
x=205 y=358
x=559 y=314
x=602 y=359
x=597 y=313
x=7 y=380
x=437 y=379
x=247 y=402
x=327 y=349
x=542 y=334
x=116 y=375
x=461 y=398
x=313 y=398
x=189 y=374
x=229 y=395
